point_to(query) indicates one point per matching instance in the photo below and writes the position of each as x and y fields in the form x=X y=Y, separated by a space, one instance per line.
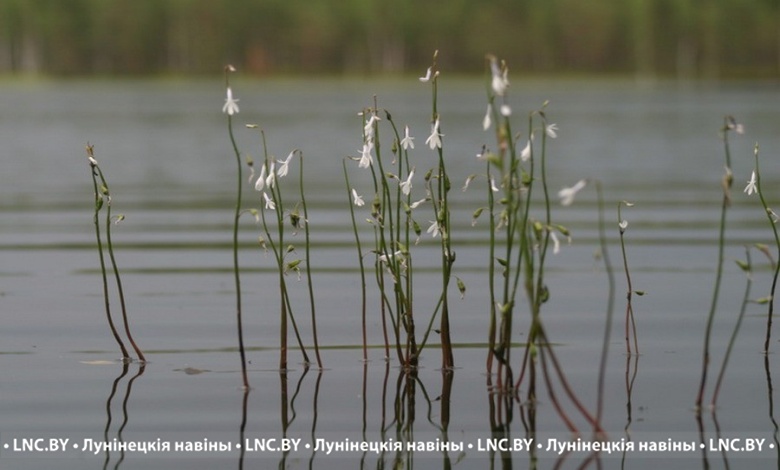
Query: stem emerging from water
x=239 y=184
x=99 y=200
x=726 y=184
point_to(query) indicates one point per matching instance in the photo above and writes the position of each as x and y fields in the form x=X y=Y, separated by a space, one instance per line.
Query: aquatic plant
x=519 y=245
x=630 y=323
x=357 y=201
x=747 y=267
x=729 y=124
x=754 y=186
x=230 y=108
x=103 y=200
x=392 y=237
x=442 y=222
x=267 y=182
x=396 y=230
x=296 y=222
x=100 y=194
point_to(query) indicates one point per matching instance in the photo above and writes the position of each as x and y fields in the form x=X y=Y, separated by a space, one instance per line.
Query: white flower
x=567 y=194
x=623 y=224
x=526 y=153
x=397 y=254
x=751 y=186
x=357 y=200
x=415 y=204
x=486 y=120
x=92 y=161
x=551 y=130
x=406 y=185
x=506 y=111
x=260 y=183
x=407 y=142
x=733 y=125
x=773 y=215
x=468 y=181
x=500 y=81
x=269 y=203
x=427 y=76
x=365 y=156
x=434 y=229
x=434 y=141
x=493 y=185
x=368 y=129
x=282 y=172
x=231 y=105
x=271 y=178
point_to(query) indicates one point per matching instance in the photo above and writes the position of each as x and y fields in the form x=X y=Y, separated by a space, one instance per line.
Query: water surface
x=165 y=150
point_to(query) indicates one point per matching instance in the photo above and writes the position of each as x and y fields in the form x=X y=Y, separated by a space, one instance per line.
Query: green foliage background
x=682 y=38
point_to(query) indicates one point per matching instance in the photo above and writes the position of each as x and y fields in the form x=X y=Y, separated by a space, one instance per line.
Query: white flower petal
x=356 y=199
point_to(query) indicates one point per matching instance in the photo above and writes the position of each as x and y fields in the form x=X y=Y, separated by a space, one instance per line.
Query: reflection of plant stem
x=285 y=411
x=125 y=414
x=771 y=402
x=726 y=185
x=315 y=413
x=308 y=266
x=114 y=388
x=702 y=444
x=718 y=436
x=745 y=299
x=99 y=201
x=242 y=428
x=630 y=378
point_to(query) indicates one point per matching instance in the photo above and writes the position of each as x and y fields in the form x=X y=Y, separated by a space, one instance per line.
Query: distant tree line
x=682 y=38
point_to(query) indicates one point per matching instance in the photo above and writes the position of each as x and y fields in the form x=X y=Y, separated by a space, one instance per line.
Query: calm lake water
x=165 y=151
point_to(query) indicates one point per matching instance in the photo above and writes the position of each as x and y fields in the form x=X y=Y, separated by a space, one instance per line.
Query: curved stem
x=308 y=265
x=236 y=276
x=120 y=289
x=726 y=184
x=99 y=201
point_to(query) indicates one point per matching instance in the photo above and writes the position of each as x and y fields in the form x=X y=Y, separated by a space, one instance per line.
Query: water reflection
x=632 y=369
x=771 y=405
x=125 y=413
x=242 y=427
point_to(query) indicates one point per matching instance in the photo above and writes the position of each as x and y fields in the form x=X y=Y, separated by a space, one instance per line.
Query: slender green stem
x=120 y=289
x=745 y=299
x=99 y=201
x=726 y=185
x=236 y=275
x=630 y=322
x=491 y=272
x=308 y=264
x=360 y=261
x=772 y=223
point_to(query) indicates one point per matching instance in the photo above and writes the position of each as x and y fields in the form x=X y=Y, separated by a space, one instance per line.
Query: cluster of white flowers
x=268 y=175
x=366 y=159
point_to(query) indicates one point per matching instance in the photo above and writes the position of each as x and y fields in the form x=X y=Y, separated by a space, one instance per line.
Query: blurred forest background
x=687 y=39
